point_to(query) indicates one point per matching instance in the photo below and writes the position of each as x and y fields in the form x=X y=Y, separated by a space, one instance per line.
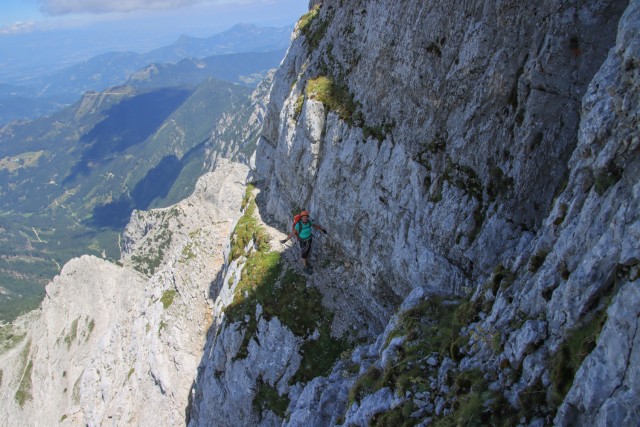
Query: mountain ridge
x=476 y=170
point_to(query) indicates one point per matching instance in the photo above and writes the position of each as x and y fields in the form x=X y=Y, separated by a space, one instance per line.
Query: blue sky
x=36 y=35
x=179 y=16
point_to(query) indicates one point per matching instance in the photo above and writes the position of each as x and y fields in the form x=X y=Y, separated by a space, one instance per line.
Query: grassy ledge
x=284 y=294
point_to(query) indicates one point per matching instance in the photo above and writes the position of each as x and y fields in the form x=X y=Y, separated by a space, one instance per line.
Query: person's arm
x=293 y=233
x=319 y=228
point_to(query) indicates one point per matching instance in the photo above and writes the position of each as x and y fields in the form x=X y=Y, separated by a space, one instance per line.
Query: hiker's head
x=304 y=216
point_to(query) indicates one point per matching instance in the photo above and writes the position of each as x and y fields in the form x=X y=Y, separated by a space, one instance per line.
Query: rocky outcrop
x=476 y=167
x=119 y=344
x=236 y=134
x=476 y=150
x=443 y=134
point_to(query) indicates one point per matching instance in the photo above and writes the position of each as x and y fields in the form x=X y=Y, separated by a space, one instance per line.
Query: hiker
x=302 y=229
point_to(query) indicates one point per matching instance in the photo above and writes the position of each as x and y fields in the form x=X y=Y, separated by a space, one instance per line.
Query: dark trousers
x=305 y=248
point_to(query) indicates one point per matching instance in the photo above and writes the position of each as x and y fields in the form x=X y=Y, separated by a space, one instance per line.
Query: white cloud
x=65 y=7
x=18 y=27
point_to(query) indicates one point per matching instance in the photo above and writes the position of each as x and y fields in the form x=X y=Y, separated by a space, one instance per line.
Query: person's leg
x=305 y=248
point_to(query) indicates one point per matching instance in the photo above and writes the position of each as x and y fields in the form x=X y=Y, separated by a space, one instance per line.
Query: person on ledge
x=303 y=230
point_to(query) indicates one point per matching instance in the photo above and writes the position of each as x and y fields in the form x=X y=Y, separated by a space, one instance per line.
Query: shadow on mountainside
x=156 y=185
x=127 y=123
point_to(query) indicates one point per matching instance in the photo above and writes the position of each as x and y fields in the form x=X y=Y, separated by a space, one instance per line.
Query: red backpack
x=296 y=219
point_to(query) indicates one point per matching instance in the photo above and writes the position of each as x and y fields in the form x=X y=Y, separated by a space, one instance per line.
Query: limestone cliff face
x=489 y=149
x=120 y=344
x=476 y=167
x=453 y=132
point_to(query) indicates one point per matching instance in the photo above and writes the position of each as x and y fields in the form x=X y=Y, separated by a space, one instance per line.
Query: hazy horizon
x=40 y=41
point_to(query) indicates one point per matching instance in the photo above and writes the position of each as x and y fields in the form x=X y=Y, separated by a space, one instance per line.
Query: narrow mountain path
x=344 y=285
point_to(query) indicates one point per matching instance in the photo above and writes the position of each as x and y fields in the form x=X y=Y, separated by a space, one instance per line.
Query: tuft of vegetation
x=313 y=29
x=334 y=96
x=305 y=21
x=248 y=230
x=370 y=382
x=465 y=178
x=149 y=264
x=267 y=398
x=431 y=329
x=562 y=213
x=501 y=279
x=283 y=294
x=607 y=178
x=537 y=260
x=90 y=327
x=24 y=389
x=297 y=109
x=75 y=394
x=566 y=361
x=23 y=393
x=73 y=333
x=167 y=298
x=8 y=339
x=187 y=252
x=397 y=417
x=162 y=326
x=248 y=195
x=377 y=132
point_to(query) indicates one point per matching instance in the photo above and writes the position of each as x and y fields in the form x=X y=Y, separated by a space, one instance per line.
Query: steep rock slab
x=431 y=140
x=114 y=345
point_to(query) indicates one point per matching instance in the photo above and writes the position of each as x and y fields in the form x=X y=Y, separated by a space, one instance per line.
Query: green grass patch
x=606 y=179
x=476 y=405
x=297 y=108
x=248 y=195
x=75 y=394
x=167 y=298
x=187 y=251
x=247 y=230
x=90 y=327
x=432 y=327
x=501 y=279
x=267 y=397
x=162 y=326
x=464 y=178
x=566 y=361
x=149 y=263
x=304 y=23
x=73 y=333
x=8 y=339
x=397 y=417
x=23 y=394
x=283 y=294
x=536 y=261
x=313 y=29
x=499 y=183
x=334 y=96
x=370 y=382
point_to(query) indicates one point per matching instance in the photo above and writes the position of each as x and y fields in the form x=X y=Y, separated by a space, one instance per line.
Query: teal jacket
x=304 y=230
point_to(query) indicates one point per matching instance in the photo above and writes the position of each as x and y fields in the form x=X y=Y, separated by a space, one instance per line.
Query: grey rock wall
x=474 y=112
x=483 y=138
